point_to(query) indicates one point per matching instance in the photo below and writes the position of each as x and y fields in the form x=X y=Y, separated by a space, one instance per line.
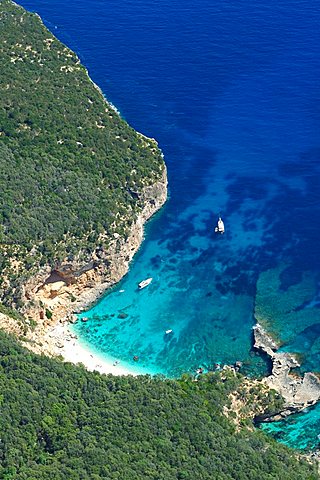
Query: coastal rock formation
x=72 y=218
x=51 y=297
x=298 y=392
x=72 y=286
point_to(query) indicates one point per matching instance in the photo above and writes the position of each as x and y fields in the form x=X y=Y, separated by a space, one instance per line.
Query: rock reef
x=298 y=392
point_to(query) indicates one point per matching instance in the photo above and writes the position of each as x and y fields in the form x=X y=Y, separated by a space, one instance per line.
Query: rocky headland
x=73 y=216
x=52 y=297
x=298 y=391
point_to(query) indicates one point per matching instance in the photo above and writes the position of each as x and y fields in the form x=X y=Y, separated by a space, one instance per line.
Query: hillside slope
x=60 y=421
x=72 y=172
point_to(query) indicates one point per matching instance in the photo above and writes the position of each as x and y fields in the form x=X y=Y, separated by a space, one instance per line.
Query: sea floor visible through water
x=301 y=430
x=231 y=92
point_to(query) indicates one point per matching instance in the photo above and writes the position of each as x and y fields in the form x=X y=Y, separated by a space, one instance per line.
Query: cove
x=230 y=90
x=299 y=431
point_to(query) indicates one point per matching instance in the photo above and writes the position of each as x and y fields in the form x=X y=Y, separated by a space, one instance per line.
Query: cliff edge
x=77 y=183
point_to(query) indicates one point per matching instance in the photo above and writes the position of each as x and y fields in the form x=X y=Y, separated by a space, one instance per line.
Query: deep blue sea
x=231 y=91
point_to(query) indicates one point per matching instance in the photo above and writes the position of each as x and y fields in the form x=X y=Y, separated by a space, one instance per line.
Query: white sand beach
x=62 y=341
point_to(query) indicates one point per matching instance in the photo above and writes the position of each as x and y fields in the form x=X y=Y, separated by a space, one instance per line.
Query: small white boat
x=116 y=363
x=220 y=226
x=169 y=331
x=145 y=283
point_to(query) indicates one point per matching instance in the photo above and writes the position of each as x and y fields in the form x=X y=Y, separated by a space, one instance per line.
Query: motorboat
x=220 y=226
x=144 y=283
x=169 y=331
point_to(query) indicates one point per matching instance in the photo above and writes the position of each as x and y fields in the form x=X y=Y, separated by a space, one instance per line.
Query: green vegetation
x=70 y=168
x=58 y=421
x=253 y=400
x=10 y=312
x=71 y=176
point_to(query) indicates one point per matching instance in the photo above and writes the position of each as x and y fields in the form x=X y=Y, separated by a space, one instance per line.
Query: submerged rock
x=281 y=311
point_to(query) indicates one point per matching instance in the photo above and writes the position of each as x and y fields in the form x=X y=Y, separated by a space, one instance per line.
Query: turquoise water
x=301 y=431
x=231 y=91
x=178 y=300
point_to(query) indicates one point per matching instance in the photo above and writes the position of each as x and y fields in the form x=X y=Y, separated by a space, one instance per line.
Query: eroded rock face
x=73 y=285
x=298 y=392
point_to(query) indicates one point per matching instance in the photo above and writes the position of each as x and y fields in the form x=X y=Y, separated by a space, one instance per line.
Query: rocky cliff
x=298 y=392
x=76 y=181
x=54 y=294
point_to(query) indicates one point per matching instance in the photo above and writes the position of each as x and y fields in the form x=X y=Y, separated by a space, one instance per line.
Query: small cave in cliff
x=56 y=277
x=52 y=285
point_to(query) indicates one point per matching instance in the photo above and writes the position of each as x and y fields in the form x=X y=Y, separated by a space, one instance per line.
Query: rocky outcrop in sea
x=298 y=391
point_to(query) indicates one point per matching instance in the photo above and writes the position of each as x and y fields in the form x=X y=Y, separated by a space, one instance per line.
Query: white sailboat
x=220 y=226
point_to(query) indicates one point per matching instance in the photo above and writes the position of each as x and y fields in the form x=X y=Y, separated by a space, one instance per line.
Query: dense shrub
x=70 y=167
x=59 y=421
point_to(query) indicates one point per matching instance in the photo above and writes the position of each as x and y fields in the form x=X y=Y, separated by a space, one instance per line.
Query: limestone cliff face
x=72 y=286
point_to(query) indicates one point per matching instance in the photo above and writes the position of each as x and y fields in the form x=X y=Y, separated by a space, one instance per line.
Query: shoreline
x=74 y=288
x=69 y=346
x=54 y=337
x=49 y=298
x=299 y=392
